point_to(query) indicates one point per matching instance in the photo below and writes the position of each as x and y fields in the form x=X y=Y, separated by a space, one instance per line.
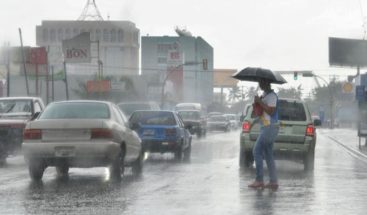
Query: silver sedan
x=81 y=134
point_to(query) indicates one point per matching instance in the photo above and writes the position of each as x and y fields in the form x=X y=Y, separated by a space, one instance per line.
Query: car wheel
x=117 y=167
x=199 y=134
x=246 y=159
x=36 y=169
x=309 y=160
x=3 y=155
x=62 y=170
x=178 y=153
x=137 y=166
x=187 y=153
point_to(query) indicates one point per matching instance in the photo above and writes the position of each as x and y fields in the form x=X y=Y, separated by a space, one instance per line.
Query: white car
x=233 y=120
x=81 y=134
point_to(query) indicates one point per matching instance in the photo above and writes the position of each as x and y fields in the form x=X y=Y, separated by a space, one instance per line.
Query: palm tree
x=234 y=94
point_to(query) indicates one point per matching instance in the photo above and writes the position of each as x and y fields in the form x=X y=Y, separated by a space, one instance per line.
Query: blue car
x=162 y=131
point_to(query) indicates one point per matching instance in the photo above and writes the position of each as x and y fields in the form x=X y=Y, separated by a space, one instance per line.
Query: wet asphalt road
x=211 y=183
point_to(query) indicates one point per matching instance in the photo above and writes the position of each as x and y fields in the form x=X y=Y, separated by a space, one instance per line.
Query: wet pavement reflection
x=210 y=183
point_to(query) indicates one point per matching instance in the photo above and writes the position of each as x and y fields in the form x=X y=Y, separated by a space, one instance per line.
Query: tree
x=234 y=94
x=293 y=93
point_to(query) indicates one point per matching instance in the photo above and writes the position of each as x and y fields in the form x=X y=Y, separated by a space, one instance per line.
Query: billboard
x=77 y=49
x=347 y=52
x=223 y=78
x=174 y=84
x=101 y=86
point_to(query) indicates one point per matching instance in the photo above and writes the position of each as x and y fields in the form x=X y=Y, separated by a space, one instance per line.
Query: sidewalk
x=347 y=136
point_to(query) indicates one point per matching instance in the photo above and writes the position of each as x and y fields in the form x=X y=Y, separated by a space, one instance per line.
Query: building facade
x=180 y=68
x=118 y=48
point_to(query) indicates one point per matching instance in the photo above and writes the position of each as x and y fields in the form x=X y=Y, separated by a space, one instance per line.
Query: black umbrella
x=255 y=74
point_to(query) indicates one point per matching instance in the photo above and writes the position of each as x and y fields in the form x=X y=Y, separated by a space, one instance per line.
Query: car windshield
x=217 y=119
x=128 y=108
x=9 y=107
x=189 y=115
x=153 y=118
x=76 y=110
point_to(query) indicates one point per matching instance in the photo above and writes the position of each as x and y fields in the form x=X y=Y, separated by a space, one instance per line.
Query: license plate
x=165 y=143
x=64 y=151
x=148 y=132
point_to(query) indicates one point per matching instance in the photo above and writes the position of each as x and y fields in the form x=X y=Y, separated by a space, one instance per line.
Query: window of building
x=67 y=33
x=136 y=37
x=45 y=34
x=53 y=35
x=105 y=35
x=98 y=35
x=75 y=32
x=120 y=35
x=162 y=60
x=60 y=34
x=113 y=35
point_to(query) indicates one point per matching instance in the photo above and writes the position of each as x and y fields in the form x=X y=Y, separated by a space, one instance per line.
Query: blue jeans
x=264 y=149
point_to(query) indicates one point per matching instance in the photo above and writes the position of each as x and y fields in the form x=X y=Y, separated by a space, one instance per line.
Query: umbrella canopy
x=255 y=74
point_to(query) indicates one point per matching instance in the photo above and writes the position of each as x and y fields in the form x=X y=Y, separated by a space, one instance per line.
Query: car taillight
x=32 y=134
x=246 y=127
x=101 y=133
x=310 y=130
x=170 y=132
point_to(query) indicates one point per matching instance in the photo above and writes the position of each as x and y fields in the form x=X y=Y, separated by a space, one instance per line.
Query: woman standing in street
x=269 y=130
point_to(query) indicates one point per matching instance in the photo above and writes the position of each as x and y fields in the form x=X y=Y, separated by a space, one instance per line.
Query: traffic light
x=295 y=75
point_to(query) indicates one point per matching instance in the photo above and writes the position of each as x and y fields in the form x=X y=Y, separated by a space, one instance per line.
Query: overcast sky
x=280 y=35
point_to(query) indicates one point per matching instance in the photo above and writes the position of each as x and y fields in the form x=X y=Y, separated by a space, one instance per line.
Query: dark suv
x=194 y=120
x=296 y=138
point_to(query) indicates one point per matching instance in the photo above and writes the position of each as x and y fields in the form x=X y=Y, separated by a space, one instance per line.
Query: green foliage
x=293 y=93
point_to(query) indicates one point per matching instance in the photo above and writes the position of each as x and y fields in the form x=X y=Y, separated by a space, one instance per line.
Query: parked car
x=296 y=138
x=162 y=131
x=81 y=134
x=194 y=120
x=129 y=107
x=218 y=123
x=15 y=112
x=233 y=120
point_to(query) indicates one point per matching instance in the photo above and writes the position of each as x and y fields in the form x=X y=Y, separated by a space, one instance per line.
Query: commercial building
x=115 y=43
x=180 y=68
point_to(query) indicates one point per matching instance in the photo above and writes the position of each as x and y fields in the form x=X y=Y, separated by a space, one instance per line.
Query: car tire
x=36 y=169
x=137 y=166
x=62 y=170
x=199 y=134
x=187 y=153
x=178 y=153
x=3 y=155
x=309 y=160
x=246 y=159
x=117 y=167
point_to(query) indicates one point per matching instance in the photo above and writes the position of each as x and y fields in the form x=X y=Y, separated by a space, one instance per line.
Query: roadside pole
x=23 y=59
x=66 y=82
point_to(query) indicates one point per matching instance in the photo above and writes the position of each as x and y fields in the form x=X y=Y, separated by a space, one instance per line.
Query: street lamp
x=188 y=63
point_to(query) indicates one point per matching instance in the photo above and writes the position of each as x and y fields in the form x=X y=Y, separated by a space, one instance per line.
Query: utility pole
x=23 y=59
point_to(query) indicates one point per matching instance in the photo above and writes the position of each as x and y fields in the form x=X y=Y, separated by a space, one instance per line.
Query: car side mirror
x=317 y=122
x=35 y=116
x=134 y=125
